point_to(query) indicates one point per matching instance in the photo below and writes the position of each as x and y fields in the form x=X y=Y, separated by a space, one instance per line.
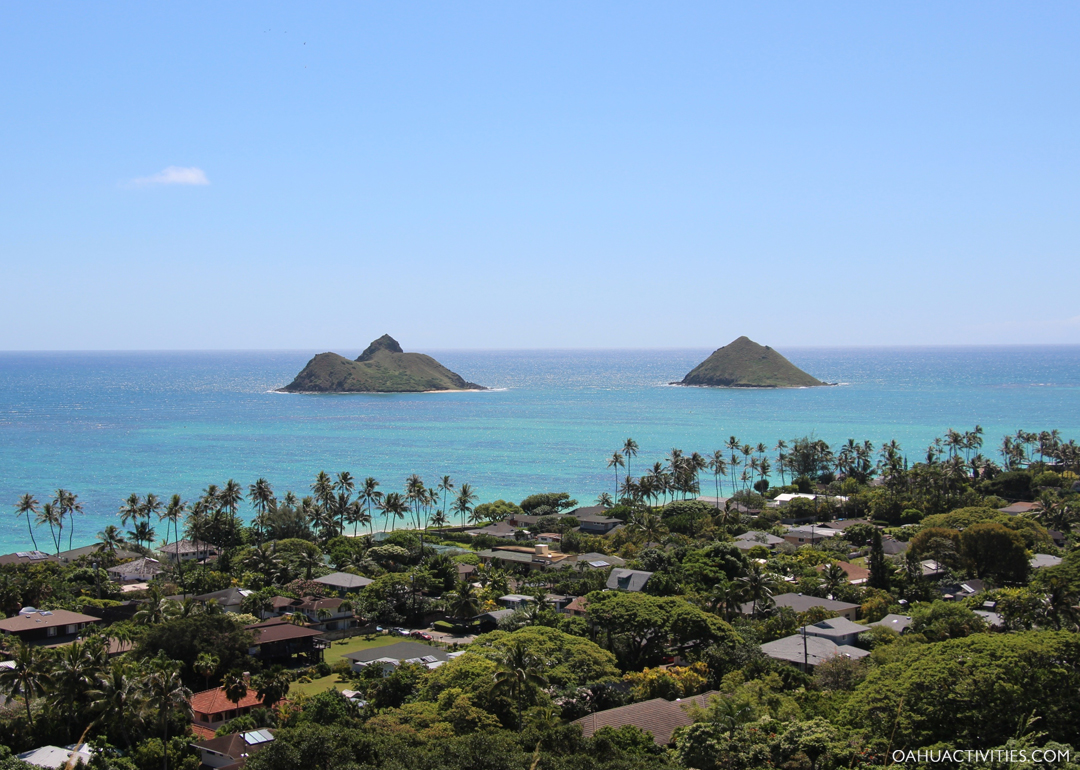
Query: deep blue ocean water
x=105 y=425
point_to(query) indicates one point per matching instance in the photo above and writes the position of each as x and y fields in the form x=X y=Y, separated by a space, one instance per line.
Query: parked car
x=401 y=631
x=421 y=635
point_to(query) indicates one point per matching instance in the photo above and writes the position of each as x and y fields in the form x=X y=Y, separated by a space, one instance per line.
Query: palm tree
x=323 y=490
x=73 y=676
x=833 y=577
x=725 y=599
x=344 y=485
x=733 y=446
x=48 y=515
x=131 y=510
x=604 y=500
x=206 y=664
x=355 y=514
x=28 y=504
x=518 y=675
x=463 y=602
x=172 y=514
x=629 y=449
x=67 y=505
x=463 y=503
x=439 y=520
x=370 y=496
x=310 y=560
x=28 y=677
x=415 y=492
x=616 y=462
x=718 y=465
x=261 y=497
x=781 y=445
x=273 y=685
x=446 y=485
x=759 y=586
x=393 y=507
x=235 y=686
x=166 y=693
x=109 y=539
x=115 y=699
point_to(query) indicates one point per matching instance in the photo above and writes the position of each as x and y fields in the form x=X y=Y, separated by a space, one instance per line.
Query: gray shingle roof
x=812 y=650
x=627 y=579
x=344 y=581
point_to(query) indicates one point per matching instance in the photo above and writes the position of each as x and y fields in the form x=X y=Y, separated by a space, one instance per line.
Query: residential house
x=188 y=550
x=344 y=583
x=842 y=524
x=228 y=599
x=891 y=547
x=658 y=716
x=808 y=651
x=488 y=621
x=25 y=557
x=597 y=524
x=839 y=631
x=325 y=614
x=551 y=538
x=500 y=529
x=277 y=639
x=959 y=591
x=803 y=602
x=136 y=571
x=576 y=608
x=46 y=626
x=715 y=502
x=514 y=601
x=1040 y=560
x=232 y=751
x=856 y=575
x=211 y=709
x=58 y=758
x=466 y=571
x=393 y=655
x=1017 y=509
x=898 y=623
x=808 y=535
x=627 y=579
x=755 y=537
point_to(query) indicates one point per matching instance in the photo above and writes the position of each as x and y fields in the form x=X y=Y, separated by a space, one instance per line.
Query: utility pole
x=805 y=655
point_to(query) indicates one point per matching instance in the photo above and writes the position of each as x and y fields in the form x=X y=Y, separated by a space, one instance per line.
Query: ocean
x=105 y=425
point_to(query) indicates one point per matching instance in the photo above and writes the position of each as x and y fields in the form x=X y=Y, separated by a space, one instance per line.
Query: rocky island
x=383 y=368
x=746 y=364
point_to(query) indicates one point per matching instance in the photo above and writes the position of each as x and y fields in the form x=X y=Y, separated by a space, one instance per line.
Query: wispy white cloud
x=173 y=175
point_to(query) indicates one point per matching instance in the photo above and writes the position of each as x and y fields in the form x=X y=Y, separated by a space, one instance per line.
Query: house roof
x=28 y=621
x=307 y=604
x=659 y=716
x=898 y=623
x=627 y=579
x=237 y=745
x=853 y=571
x=578 y=604
x=803 y=602
x=892 y=547
x=498 y=529
x=809 y=649
x=26 y=557
x=592 y=558
x=143 y=568
x=589 y=510
x=343 y=580
x=57 y=757
x=815 y=532
x=280 y=631
x=214 y=701
x=398 y=652
x=226 y=597
x=834 y=627
x=759 y=538
x=1040 y=560
x=842 y=524
x=1018 y=508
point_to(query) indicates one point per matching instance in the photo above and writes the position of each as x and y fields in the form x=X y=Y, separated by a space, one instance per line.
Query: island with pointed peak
x=382 y=368
x=746 y=364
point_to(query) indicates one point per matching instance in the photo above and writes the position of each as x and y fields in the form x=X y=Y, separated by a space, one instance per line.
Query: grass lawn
x=335 y=653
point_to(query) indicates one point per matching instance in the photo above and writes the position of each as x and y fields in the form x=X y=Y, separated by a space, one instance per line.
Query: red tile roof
x=578 y=605
x=214 y=701
x=203 y=732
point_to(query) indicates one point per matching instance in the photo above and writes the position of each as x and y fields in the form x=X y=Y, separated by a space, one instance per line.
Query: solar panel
x=598 y=564
x=23 y=554
x=257 y=736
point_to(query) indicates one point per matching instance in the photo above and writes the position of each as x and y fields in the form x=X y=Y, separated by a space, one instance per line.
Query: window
x=50 y=631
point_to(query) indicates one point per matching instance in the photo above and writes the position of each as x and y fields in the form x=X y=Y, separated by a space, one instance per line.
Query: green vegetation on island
x=746 y=364
x=383 y=368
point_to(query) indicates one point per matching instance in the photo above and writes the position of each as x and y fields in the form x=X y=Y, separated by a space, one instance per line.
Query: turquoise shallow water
x=108 y=424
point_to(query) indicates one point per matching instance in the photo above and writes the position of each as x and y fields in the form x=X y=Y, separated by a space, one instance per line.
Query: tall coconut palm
x=518 y=675
x=463 y=602
x=604 y=499
x=171 y=515
x=446 y=485
x=74 y=672
x=439 y=520
x=131 y=510
x=463 y=502
x=718 y=465
x=151 y=506
x=393 y=507
x=781 y=445
x=67 y=505
x=115 y=700
x=733 y=446
x=27 y=505
x=48 y=515
x=261 y=497
x=166 y=693
x=370 y=496
x=207 y=663
x=356 y=515
x=415 y=491
x=759 y=586
x=323 y=490
x=833 y=577
x=616 y=462
x=29 y=676
x=109 y=539
x=344 y=485
x=629 y=450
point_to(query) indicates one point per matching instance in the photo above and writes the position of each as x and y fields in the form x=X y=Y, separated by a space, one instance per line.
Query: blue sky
x=517 y=175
